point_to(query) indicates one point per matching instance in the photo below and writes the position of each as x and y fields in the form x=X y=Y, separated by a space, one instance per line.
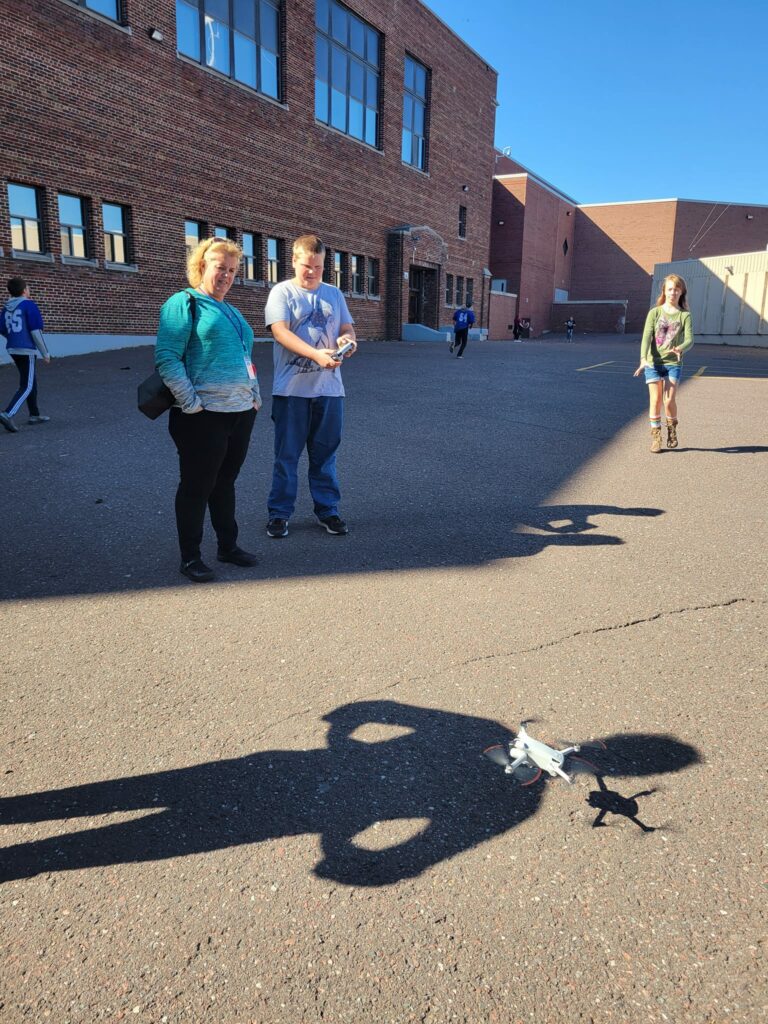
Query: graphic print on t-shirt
x=666 y=331
x=319 y=323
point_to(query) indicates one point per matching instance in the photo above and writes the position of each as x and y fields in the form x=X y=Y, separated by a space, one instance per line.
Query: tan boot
x=671 y=433
x=655 y=439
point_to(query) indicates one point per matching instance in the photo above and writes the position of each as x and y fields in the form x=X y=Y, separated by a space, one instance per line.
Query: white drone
x=526 y=758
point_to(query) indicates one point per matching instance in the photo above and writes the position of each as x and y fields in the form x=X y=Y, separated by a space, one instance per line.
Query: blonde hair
x=680 y=282
x=204 y=251
x=309 y=244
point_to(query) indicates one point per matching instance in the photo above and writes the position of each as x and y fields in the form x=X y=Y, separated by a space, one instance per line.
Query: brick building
x=596 y=261
x=137 y=126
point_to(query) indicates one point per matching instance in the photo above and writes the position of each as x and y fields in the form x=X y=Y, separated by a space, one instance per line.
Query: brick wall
x=590 y=317
x=113 y=116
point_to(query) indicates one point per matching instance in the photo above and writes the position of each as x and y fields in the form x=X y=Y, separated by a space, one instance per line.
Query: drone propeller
x=589 y=744
x=499 y=754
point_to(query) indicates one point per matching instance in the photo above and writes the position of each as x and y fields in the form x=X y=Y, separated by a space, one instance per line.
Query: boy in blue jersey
x=22 y=327
x=462 y=320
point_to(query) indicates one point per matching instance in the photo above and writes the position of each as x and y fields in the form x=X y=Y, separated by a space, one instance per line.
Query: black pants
x=212 y=447
x=26 y=365
x=460 y=339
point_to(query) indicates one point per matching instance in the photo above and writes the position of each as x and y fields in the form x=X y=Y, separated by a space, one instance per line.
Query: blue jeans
x=314 y=424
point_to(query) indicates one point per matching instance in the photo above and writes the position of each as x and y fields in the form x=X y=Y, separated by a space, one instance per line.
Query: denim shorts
x=661 y=372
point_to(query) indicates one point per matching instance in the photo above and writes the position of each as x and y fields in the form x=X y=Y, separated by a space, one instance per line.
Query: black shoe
x=8 y=423
x=238 y=557
x=196 y=570
x=334 y=525
x=277 y=528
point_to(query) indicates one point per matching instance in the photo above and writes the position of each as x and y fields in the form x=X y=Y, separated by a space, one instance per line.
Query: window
x=565 y=247
x=220 y=232
x=26 y=223
x=373 y=277
x=470 y=290
x=239 y=38
x=449 y=289
x=193 y=233
x=414 y=143
x=459 y=291
x=339 y=277
x=72 y=226
x=273 y=260
x=251 y=261
x=115 y=219
x=462 y=222
x=346 y=72
x=109 y=8
x=357 y=273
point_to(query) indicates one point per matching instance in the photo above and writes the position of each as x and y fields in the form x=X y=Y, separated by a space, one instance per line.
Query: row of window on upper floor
x=263 y=256
x=242 y=40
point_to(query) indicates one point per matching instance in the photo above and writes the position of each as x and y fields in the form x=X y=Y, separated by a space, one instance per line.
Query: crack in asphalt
x=528 y=650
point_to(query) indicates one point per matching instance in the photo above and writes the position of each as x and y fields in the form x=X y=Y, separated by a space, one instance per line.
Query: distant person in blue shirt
x=22 y=327
x=462 y=320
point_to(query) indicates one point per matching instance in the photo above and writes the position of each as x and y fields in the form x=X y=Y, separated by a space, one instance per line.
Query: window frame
x=252 y=261
x=24 y=220
x=373 y=277
x=201 y=233
x=262 y=54
x=273 y=264
x=449 y=289
x=67 y=228
x=412 y=98
x=116 y=19
x=357 y=274
x=459 y=290
x=469 y=290
x=361 y=47
x=125 y=234
x=462 y=222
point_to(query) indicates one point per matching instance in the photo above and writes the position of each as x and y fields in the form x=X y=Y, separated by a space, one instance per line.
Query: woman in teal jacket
x=203 y=354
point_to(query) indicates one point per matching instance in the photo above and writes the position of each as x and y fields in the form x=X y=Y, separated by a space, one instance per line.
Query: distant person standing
x=516 y=329
x=21 y=324
x=668 y=333
x=462 y=320
x=570 y=323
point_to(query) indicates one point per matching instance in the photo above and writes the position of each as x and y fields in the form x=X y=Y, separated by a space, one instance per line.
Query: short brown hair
x=309 y=244
x=200 y=253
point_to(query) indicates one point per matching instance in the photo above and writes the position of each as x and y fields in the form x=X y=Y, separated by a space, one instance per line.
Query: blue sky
x=626 y=100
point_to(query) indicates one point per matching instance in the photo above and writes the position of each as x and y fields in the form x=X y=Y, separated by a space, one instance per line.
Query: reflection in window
x=239 y=38
x=220 y=232
x=26 y=223
x=346 y=72
x=273 y=260
x=109 y=8
x=115 y=219
x=250 y=242
x=72 y=226
x=357 y=273
x=193 y=233
x=373 y=277
x=414 y=137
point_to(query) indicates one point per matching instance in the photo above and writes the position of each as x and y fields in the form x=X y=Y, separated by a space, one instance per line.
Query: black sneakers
x=334 y=525
x=277 y=528
x=196 y=570
x=238 y=557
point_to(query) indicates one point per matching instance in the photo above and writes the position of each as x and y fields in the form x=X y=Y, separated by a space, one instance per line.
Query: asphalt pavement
x=264 y=799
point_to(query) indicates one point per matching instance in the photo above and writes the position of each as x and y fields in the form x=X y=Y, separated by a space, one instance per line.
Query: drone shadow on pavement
x=430 y=771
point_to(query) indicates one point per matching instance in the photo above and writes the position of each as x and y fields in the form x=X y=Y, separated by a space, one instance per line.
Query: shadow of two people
x=431 y=770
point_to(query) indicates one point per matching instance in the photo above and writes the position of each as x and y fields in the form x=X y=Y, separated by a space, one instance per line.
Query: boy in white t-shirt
x=309 y=320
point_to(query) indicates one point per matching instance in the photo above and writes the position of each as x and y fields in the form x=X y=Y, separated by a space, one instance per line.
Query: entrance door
x=416 y=295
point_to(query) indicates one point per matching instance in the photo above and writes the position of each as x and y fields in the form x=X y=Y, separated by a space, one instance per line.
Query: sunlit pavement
x=263 y=799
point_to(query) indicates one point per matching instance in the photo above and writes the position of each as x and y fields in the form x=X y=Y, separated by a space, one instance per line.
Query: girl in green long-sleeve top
x=668 y=333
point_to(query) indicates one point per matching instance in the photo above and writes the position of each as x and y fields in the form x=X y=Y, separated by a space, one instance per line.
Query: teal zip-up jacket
x=205 y=363
x=662 y=331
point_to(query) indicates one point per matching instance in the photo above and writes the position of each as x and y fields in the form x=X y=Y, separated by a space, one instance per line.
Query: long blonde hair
x=203 y=251
x=680 y=282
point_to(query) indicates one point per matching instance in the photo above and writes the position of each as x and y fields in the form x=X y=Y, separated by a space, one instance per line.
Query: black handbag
x=153 y=394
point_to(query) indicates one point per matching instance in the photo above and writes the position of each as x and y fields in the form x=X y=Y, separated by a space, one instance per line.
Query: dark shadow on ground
x=431 y=769
x=441 y=465
x=747 y=449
